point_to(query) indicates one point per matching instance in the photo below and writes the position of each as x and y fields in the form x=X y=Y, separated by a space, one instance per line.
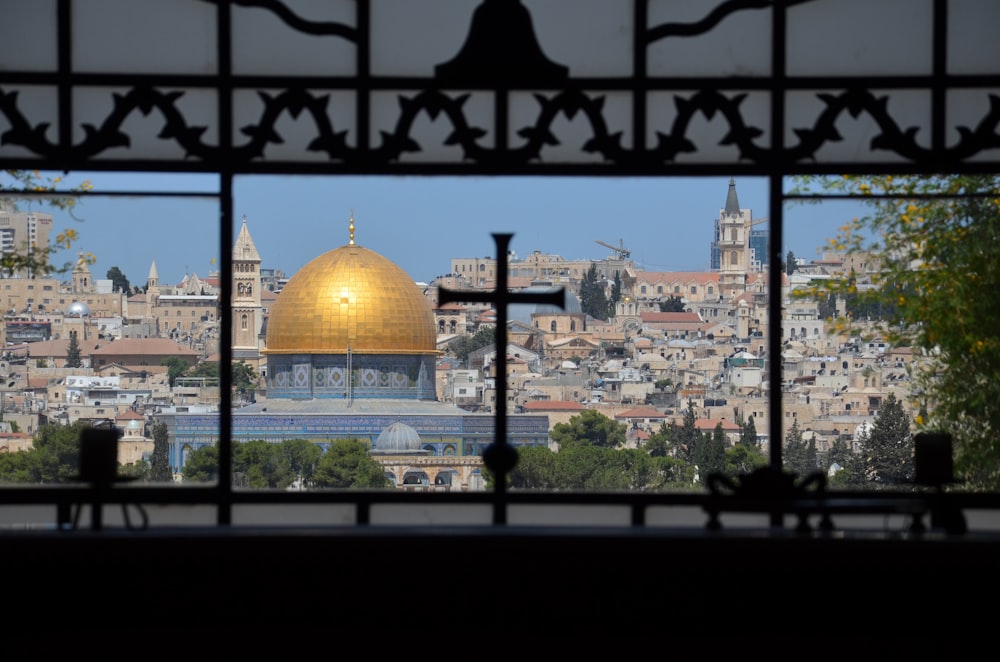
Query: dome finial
x=351 y=229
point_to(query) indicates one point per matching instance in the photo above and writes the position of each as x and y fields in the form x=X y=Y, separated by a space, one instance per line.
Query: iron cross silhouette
x=500 y=457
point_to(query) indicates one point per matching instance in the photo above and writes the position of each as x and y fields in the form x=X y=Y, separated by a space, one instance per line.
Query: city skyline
x=420 y=223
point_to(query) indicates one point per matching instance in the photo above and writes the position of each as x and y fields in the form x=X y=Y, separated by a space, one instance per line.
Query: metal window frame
x=775 y=163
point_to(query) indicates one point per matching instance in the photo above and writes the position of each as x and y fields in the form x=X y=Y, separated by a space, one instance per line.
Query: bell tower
x=247 y=310
x=733 y=238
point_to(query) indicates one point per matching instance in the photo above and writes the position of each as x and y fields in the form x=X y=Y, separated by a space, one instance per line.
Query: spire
x=732 y=202
x=153 y=273
x=351 y=229
x=245 y=248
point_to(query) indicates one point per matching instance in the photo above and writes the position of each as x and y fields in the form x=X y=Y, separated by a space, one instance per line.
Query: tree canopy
x=38 y=260
x=118 y=280
x=589 y=427
x=935 y=241
x=593 y=299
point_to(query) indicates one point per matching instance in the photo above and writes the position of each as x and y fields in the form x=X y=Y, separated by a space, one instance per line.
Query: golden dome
x=351 y=297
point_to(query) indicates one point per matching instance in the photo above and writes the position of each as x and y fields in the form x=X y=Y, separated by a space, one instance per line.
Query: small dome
x=133 y=426
x=398 y=438
x=78 y=309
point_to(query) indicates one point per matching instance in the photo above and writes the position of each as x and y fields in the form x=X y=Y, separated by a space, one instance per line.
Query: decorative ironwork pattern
x=520 y=93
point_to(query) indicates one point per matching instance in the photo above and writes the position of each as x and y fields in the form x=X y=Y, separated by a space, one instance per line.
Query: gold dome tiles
x=351 y=297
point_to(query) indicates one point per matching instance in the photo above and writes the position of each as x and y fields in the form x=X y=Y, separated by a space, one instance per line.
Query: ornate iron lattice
x=527 y=87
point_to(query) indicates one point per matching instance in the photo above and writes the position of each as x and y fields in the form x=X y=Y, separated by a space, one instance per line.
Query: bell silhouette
x=501 y=49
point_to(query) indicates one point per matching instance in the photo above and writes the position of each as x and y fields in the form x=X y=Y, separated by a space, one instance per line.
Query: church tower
x=733 y=241
x=248 y=314
x=152 y=287
x=82 y=281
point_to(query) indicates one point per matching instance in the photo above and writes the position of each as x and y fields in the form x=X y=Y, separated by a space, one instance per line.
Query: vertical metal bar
x=225 y=88
x=639 y=90
x=363 y=83
x=939 y=65
x=500 y=411
x=64 y=49
x=779 y=26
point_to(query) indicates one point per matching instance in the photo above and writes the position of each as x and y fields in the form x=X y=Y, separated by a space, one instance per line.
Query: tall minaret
x=734 y=245
x=248 y=315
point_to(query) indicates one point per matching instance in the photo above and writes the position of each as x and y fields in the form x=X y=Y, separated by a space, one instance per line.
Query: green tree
x=849 y=470
x=118 y=280
x=741 y=459
x=589 y=467
x=672 y=304
x=462 y=346
x=73 y=359
x=160 y=470
x=346 y=464
x=54 y=456
x=244 y=377
x=302 y=458
x=255 y=465
x=936 y=243
x=593 y=300
x=685 y=438
x=38 y=260
x=887 y=447
x=202 y=465
x=208 y=369
x=710 y=453
x=748 y=429
x=790 y=265
x=616 y=293
x=589 y=428
x=799 y=455
x=660 y=443
x=535 y=470
x=176 y=367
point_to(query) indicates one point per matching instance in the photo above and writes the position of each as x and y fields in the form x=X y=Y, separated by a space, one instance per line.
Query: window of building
x=790 y=96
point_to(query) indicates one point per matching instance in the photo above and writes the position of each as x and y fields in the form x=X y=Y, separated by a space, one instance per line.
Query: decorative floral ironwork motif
x=503 y=58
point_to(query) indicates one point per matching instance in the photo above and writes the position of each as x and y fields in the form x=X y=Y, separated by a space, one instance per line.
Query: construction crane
x=621 y=252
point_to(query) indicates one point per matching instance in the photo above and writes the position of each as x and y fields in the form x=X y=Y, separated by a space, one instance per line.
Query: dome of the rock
x=351 y=324
x=351 y=298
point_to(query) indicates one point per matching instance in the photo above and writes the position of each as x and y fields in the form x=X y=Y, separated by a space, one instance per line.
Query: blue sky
x=422 y=222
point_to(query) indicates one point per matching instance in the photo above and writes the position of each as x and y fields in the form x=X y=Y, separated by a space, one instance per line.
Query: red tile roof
x=710 y=423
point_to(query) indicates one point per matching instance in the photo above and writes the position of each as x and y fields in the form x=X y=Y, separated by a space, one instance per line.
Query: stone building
x=351 y=350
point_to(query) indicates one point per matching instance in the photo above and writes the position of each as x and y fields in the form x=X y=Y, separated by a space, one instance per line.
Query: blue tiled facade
x=339 y=376
x=442 y=434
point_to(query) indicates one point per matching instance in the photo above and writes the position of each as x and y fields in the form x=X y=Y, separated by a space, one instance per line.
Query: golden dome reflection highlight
x=351 y=298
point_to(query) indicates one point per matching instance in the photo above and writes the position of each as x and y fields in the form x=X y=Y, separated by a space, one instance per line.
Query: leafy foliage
x=593 y=299
x=53 y=458
x=118 y=280
x=591 y=428
x=887 y=448
x=672 y=304
x=935 y=242
x=462 y=346
x=37 y=260
x=346 y=464
x=73 y=358
x=176 y=367
x=799 y=456
x=160 y=470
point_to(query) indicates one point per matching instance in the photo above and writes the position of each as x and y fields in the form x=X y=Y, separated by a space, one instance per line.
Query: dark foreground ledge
x=908 y=593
